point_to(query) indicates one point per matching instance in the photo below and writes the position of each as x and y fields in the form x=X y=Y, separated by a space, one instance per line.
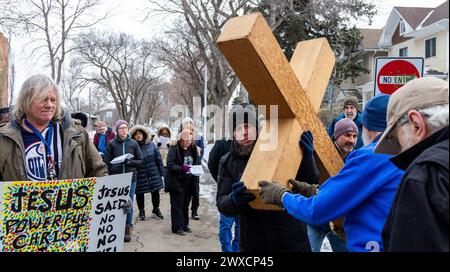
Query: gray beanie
x=343 y=126
x=352 y=100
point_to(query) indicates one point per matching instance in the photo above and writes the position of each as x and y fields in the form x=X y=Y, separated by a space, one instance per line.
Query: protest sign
x=63 y=215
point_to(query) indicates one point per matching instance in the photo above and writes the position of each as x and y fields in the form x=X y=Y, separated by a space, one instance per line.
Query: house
x=362 y=86
x=110 y=116
x=409 y=32
x=419 y=32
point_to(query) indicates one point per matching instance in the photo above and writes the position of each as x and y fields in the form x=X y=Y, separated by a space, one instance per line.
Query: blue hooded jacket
x=359 y=123
x=363 y=191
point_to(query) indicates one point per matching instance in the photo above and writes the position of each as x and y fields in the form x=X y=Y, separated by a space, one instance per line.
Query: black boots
x=142 y=214
x=127 y=237
x=157 y=214
x=195 y=215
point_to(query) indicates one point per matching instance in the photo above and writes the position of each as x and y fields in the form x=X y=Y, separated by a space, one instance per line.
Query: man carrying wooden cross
x=259 y=230
x=363 y=191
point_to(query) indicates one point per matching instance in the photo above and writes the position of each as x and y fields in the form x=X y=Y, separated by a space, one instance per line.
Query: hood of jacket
x=164 y=126
x=145 y=130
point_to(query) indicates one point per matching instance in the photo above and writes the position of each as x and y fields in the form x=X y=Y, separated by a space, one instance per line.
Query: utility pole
x=205 y=108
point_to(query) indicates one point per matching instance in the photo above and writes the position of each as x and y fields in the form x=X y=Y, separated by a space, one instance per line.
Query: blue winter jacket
x=358 y=122
x=363 y=191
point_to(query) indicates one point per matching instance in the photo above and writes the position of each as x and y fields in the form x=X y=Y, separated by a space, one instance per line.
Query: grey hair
x=36 y=88
x=437 y=116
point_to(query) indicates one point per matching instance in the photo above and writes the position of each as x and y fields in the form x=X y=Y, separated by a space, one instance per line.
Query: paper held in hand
x=197 y=170
x=122 y=158
x=164 y=140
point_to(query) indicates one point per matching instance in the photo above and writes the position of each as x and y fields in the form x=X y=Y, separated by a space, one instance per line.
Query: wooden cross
x=297 y=88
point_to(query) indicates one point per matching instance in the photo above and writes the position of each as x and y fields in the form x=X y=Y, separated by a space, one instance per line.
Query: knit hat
x=374 y=115
x=417 y=94
x=343 y=126
x=242 y=114
x=352 y=100
x=121 y=122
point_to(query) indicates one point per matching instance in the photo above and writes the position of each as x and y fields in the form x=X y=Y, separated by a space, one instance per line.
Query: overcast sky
x=128 y=15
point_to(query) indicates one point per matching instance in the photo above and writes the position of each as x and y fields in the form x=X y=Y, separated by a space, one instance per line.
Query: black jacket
x=175 y=179
x=151 y=170
x=259 y=230
x=419 y=218
x=219 y=149
x=119 y=147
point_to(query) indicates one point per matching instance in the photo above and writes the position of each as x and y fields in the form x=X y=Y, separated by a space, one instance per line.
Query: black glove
x=126 y=161
x=158 y=144
x=306 y=143
x=239 y=197
x=127 y=207
x=303 y=188
x=272 y=192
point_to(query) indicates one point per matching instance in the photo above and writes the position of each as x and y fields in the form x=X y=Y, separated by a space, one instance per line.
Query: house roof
x=413 y=15
x=439 y=13
x=370 y=37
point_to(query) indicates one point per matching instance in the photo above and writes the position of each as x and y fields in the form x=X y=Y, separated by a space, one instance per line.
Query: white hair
x=36 y=88
x=437 y=116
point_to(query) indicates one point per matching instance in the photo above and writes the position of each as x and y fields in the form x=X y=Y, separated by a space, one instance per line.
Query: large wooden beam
x=251 y=49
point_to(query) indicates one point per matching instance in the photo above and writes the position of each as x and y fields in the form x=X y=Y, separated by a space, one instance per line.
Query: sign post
x=391 y=73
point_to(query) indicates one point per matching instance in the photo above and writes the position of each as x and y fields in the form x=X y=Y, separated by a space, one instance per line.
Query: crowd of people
x=392 y=189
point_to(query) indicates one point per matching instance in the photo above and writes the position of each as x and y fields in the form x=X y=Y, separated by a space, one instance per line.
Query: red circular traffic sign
x=395 y=74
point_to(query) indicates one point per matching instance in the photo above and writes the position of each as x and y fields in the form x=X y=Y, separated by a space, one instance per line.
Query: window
x=430 y=48
x=402 y=27
x=403 y=52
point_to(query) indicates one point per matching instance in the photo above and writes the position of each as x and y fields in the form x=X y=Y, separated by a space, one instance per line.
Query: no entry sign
x=392 y=73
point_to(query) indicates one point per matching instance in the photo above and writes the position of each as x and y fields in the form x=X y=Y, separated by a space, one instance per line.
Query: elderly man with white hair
x=418 y=132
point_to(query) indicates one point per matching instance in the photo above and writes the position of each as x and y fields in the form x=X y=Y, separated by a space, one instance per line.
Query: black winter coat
x=419 y=218
x=119 y=147
x=259 y=230
x=151 y=171
x=219 y=149
x=175 y=179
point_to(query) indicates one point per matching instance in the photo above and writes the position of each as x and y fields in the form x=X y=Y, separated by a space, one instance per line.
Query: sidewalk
x=155 y=235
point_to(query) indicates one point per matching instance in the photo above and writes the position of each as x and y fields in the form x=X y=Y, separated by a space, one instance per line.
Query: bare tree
x=72 y=84
x=51 y=26
x=122 y=66
x=203 y=21
x=152 y=100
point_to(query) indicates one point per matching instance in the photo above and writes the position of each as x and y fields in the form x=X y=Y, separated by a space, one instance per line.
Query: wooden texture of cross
x=297 y=88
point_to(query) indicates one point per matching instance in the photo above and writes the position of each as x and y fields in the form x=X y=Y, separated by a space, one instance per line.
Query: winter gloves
x=272 y=193
x=239 y=198
x=306 y=143
x=127 y=207
x=186 y=168
x=303 y=188
x=127 y=162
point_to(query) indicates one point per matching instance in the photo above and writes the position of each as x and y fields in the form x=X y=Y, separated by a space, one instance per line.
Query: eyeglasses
x=400 y=122
x=122 y=128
